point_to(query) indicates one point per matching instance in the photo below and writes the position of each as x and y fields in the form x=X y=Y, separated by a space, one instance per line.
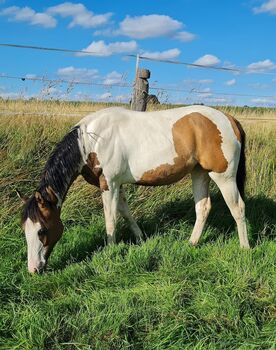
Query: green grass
x=162 y=294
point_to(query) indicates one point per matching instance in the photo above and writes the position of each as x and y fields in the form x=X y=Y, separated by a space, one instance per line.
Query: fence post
x=140 y=90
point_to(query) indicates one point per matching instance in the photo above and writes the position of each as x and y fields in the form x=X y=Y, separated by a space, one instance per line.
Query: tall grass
x=162 y=294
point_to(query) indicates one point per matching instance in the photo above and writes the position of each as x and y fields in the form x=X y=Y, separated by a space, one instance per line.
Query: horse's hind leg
x=124 y=211
x=201 y=182
x=232 y=197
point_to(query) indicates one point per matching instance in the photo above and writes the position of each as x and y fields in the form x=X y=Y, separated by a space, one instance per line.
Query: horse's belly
x=166 y=174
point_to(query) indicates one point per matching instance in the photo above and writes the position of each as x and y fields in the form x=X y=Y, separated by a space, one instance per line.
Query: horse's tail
x=241 y=173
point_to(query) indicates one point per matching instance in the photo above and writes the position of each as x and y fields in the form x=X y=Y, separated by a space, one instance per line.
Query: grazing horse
x=116 y=146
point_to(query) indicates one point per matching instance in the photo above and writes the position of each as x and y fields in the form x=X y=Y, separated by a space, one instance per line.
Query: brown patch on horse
x=167 y=174
x=235 y=127
x=48 y=215
x=103 y=183
x=201 y=136
x=93 y=173
x=53 y=228
x=89 y=176
x=197 y=140
x=94 y=164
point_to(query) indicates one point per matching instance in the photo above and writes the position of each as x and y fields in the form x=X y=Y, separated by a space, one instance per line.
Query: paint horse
x=116 y=146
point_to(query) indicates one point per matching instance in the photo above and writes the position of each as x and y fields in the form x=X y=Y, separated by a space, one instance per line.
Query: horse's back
x=161 y=147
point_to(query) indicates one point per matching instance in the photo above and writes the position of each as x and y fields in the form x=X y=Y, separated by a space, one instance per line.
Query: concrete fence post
x=140 y=90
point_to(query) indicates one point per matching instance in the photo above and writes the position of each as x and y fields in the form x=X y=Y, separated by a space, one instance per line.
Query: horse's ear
x=52 y=195
x=40 y=200
x=21 y=196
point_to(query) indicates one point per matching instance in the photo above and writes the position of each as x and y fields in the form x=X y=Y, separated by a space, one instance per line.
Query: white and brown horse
x=116 y=146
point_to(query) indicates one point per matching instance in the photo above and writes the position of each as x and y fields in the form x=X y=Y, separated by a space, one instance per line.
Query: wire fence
x=162 y=91
x=142 y=57
x=63 y=81
x=87 y=52
x=125 y=85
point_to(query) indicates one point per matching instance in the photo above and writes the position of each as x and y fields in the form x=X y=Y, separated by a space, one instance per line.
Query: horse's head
x=43 y=227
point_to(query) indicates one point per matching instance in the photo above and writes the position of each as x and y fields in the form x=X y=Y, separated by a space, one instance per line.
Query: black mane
x=59 y=172
x=62 y=166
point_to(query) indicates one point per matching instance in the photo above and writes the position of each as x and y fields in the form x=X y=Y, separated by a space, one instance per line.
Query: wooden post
x=141 y=90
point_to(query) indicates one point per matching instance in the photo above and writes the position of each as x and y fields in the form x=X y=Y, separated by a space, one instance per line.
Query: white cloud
x=206 y=90
x=113 y=78
x=88 y=75
x=49 y=90
x=220 y=100
x=211 y=99
x=150 y=26
x=80 y=96
x=100 y=48
x=230 y=82
x=181 y=36
x=12 y=95
x=78 y=74
x=264 y=101
x=261 y=66
x=185 y=36
x=105 y=96
x=30 y=76
x=26 y=14
x=81 y=16
x=162 y=55
x=274 y=80
x=268 y=6
x=200 y=81
x=122 y=98
x=205 y=93
x=207 y=60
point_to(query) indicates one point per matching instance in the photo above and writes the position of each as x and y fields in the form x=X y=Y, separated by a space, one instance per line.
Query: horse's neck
x=60 y=189
x=63 y=166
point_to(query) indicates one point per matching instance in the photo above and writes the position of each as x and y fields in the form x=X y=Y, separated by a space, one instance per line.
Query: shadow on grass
x=79 y=246
x=260 y=213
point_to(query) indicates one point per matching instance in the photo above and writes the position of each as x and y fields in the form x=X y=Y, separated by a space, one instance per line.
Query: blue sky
x=236 y=34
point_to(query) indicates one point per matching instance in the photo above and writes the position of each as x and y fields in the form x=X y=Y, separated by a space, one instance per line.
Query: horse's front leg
x=124 y=211
x=110 y=197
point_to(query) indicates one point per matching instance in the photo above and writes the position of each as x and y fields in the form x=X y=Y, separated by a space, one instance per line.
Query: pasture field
x=161 y=294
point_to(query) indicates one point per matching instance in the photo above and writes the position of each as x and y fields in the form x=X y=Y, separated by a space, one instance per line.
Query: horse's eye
x=42 y=232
